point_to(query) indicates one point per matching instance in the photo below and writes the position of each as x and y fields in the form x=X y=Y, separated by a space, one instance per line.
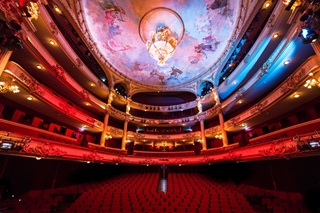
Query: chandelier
x=5 y=87
x=161 y=29
x=108 y=136
x=162 y=44
x=311 y=82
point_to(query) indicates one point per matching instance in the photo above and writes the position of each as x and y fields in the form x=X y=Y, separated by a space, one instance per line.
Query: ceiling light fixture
x=8 y=87
x=29 y=98
x=267 y=4
x=311 y=82
x=108 y=136
x=57 y=9
x=162 y=42
x=52 y=42
x=286 y=62
x=39 y=67
x=276 y=35
x=296 y=95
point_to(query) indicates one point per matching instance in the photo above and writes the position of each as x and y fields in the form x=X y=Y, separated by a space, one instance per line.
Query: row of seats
x=187 y=192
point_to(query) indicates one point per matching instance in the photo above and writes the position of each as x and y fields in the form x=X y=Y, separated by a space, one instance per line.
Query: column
x=4 y=58
x=124 y=137
x=199 y=105
x=316 y=47
x=128 y=106
x=221 y=119
x=110 y=97
x=104 y=131
x=203 y=136
x=223 y=131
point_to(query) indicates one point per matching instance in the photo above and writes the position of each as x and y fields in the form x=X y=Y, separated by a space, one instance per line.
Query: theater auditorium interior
x=159 y=106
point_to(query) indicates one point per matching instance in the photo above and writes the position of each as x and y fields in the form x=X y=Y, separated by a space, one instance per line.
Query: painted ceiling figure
x=216 y=4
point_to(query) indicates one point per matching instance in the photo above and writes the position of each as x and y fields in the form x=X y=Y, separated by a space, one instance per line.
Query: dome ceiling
x=205 y=31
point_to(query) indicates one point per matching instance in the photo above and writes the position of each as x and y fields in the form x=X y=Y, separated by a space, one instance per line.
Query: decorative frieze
x=206 y=160
x=259 y=107
x=293 y=81
x=147 y=161
x=279 y=150
x=93 y=157
x=120 y=160
x=232 y=157
x=42 y=150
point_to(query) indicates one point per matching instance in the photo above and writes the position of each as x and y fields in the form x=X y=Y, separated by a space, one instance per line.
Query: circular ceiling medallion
x=161 y=17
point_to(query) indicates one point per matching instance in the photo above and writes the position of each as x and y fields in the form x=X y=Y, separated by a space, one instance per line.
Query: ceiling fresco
x=207 y=27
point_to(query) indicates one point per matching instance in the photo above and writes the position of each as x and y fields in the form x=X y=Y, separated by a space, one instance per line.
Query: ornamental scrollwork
x=54 y=29
x=60 y=73
x=206 y=160
x=35 y=87
x=85 y=94
x=188 y=135
x=179 y=161
x=259 y=107
x=232 y=157
x=271 y=21
x=93 y=157
x=240 y=93
x=68 y=110
x=43 y=150
x=278 y=151
x=115 y=131
x=120 y=160
x=138 y=136
x=163 y=137
x=264 y=69
x=147 y=161
x=234 y=121
x=293 y=81
x=25 y=79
